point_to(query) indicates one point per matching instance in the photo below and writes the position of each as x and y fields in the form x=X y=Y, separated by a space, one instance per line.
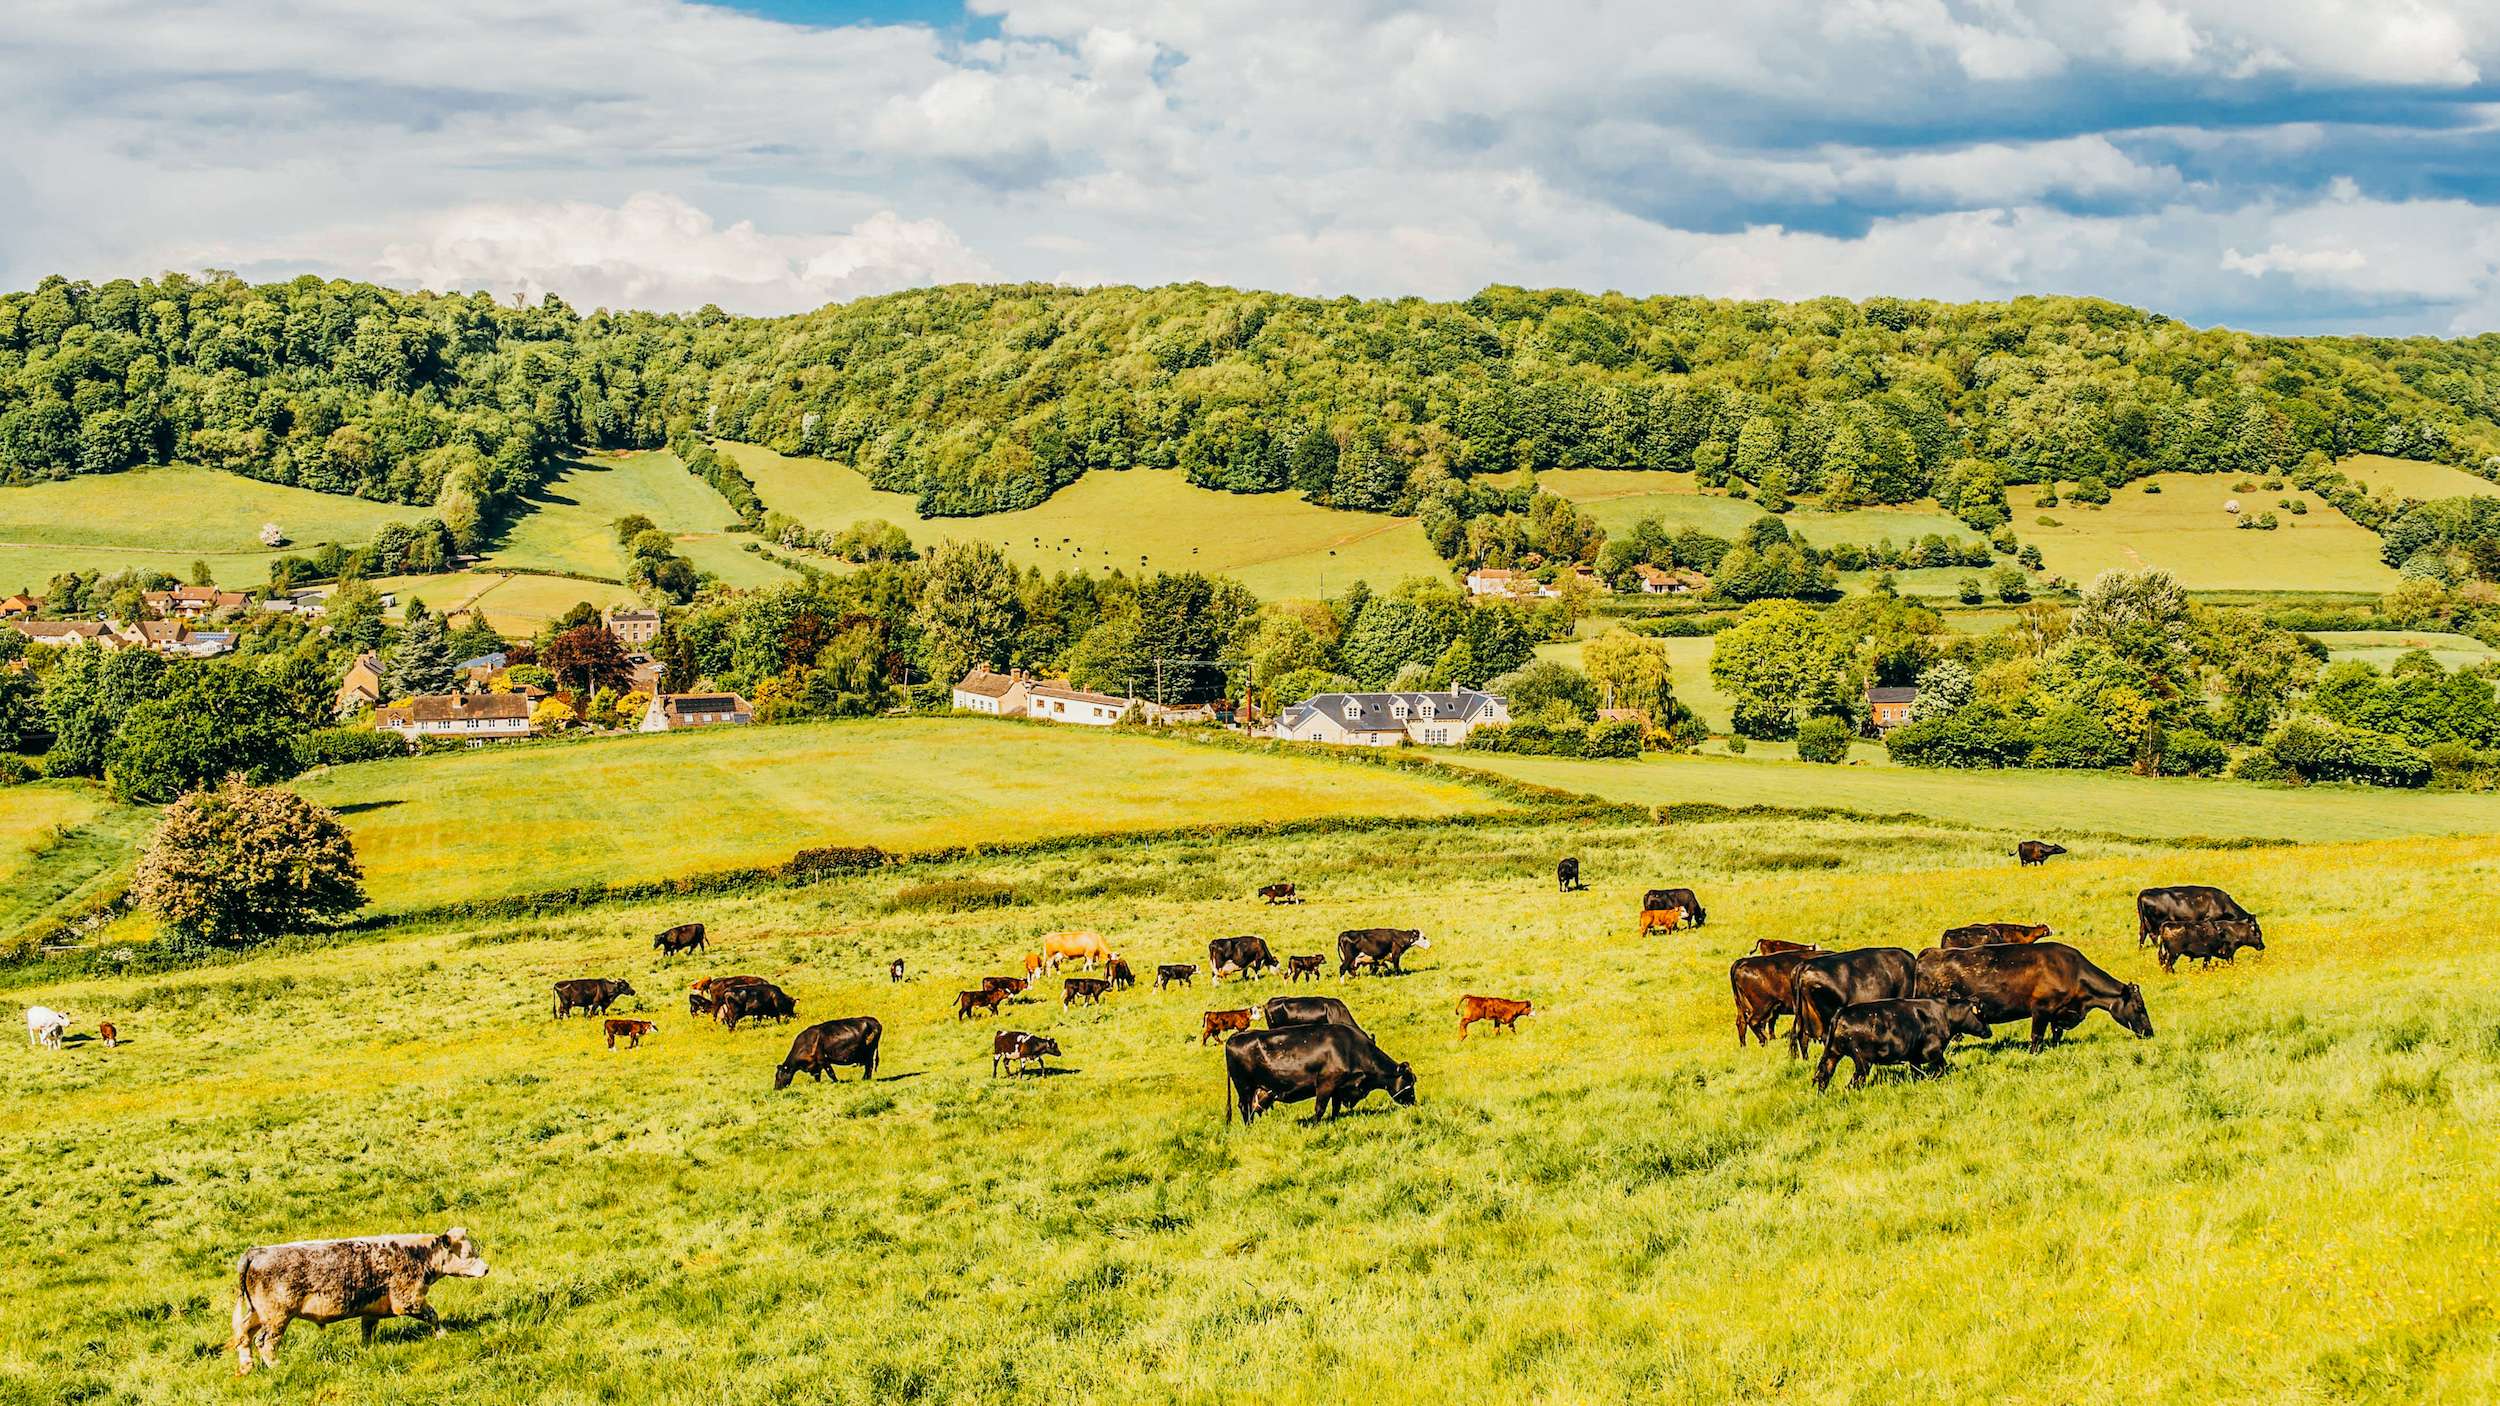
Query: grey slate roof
x=1371 y=712
x=1892 y=695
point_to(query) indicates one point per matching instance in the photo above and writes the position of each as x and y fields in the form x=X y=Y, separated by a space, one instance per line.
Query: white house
x=1387 y=719
x=475 y=717
x=1058 y=703
x=1493 y=581
x=1002 y=694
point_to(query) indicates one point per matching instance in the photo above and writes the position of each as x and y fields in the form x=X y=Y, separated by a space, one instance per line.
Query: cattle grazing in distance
x=1219 y=1022
x=1567 y=876
x=1334 y=1066
x=1298 y=968
x=1765 y=988
x=685 y=937
x=1012 y=985
x=2032 y=852
x=1088 y=989
x=588 y=995
x=2218 y=940
x=704 y=994
x=895 y=972
x=1085 y=948
x=1915 y=1032
x=1035 y=964
x=1381 y=949
x=972 y=1003
x=1021 y=1050
x=2048 y=983
x=1283 y=1011
x=821 y=1048
x=761 y=1001
x=1771 y=946
x=1825 y=984
x=1238 y=956
x=1279 y=893
x=1982 y=934
x=1661 y=920
x=631 y=1030
x=1122 y=978
x=2189 y=903
x=104 y=1031
x=1175 y=974
x=1504 y=1014
x=45 y=1027
x=1676 y=898
x=324 y=1281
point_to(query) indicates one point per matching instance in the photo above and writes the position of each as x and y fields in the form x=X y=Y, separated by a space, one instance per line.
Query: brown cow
x=979 y=1002
x=1297 y=968
x=1770 y=946
x=705 y=994
x=1035 y=964
x=104 y=1031
x=324 y=1281
x=1219 y=1022
x=1504 y=1014
x=1987 y=934
x=1015 y=1047
x=1765 y=989
x=1088 y=989
x=1012 y=985
x=1280 y=893
x=1087 y=948
x=2032 y=852
x=1122 y=978
x=632 y=1030
x=1661 y=920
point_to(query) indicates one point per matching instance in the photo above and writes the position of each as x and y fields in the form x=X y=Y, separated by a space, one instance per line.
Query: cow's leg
x=246 y=1328
x=272 y=1329
x=408 y=1301
x=1857 y=1072
x=2039 y=1026
x=1320 y=1101
x=1823 y=1068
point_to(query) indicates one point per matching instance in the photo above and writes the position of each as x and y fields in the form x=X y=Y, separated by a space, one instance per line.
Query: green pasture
x=2282 y=1197
x=516 y=603
x=2185 y=530
x=2415 y=478
x=163 y=519
x=63 y=846
x=2381 y=648
x=1619 y=498
x=571 y=525
x=527 y=817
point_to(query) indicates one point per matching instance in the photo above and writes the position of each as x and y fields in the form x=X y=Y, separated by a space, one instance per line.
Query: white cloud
x=2283 y=258
x=2154 y=35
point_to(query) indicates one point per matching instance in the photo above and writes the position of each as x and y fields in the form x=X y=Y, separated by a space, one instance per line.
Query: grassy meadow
x=2415 y=478
x=2283 y=1197
x=571 y=525
x=1619 y=498
x=165 y=518
x=497 y=821
x=2380 y=648
x=2184 y=530
x=63 y=844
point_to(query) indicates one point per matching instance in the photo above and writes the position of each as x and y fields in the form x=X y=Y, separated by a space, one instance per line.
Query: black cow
x=704 y=994
x=1019 y=1049
x=586 y=994
x=762 y=1001
x=1824 y=984
x=1175 y=974
x=1281 y=1012
x=2032 y=852
x=821 y=1048
x=895 y=972
x=1122 y=978
x=1246 y=956
x=1088 y=989
x=2188 y=903
x=1657 y=899
x=1567 y=876
x=1377 y=948
x=1333 y=1065
x=1280 y=893
x=685 y=937
x=2048 y=983
x=2208 y=942
x=1914 y=1032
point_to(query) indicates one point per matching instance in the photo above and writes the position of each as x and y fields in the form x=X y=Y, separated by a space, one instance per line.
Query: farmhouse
x=1888 y=708
x=478 y=674
x=984 y=692
x=676 y=712
x=362 y=688
x=1670 y=581
x=20 y=604
x=1387 y=719
x=193 y=602
x=68 y=632
x=180 y=640
x=311 y=605
x=1059 y=703
x=1492 y=581
x=633 y=628
x=477 y=717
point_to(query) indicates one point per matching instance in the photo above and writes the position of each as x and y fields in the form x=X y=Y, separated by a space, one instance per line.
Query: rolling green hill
x=162 y=519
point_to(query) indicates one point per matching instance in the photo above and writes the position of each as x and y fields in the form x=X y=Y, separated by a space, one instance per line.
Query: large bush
x=1823 y=740
x=243 y=862
x=208 y=721
x=1977 y=736
x=2191 y=753
x=2314 y=749
x=337 y=746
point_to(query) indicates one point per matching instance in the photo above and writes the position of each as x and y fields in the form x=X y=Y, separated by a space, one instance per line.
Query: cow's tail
x=244 y=1316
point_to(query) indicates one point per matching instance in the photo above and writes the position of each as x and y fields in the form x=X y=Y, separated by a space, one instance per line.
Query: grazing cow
x=2187 y=903
x=1283 y=1011
x=685 y=937
x=1377 y=948
x=587 y=995
x=1238 y=956
x=1086 y=948
x=705 y=994
x=1332 y=1065
x=970 y=1003
x=2208 y=942
x=1035 y=964
x=1981 y=934
x=1175 y=974
x=895 y=972
x=323 y=1281
x=1765 y=987
x=2032 y=852
x=1297 y=968
x=1916 y=1032
x=632 y=1030
x=1504 y=1014
x=1825 y=984
x=1019 y=1049
x=1660 y=920
x=2048 y=983
x=1219 y=1022
x=1088 y=989
x=1122 y=978
x=45 y=1026
x=1567 y=876
x=823 y=1047
x=1279 y=893
x=1676 y=898
x=1012 y=985
x=762 y=1001
x=1770 y=945
x=104 y=1031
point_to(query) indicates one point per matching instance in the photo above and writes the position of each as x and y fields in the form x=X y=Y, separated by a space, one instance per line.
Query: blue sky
x=2281 y=165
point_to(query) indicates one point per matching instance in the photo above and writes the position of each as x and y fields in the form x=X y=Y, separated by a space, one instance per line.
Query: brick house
x=1888 y=708
x=633 y=628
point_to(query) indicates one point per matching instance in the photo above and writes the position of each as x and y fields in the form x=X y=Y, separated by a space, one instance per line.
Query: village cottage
x=361 y=689
x=1059 y=703
x=473 y=717
x=676 y=712
x=1003 y=695
x=1888 y=708
x=1387 y=719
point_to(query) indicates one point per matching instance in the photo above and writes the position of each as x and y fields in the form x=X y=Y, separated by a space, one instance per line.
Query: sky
x=2277 y=165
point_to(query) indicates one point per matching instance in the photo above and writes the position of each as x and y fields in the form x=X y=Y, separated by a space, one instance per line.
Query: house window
x=1398 y=709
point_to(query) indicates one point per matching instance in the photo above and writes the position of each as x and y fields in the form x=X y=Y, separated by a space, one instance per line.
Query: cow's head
x=783 y=1074
x=2052 y=849
x=454 y=1256
x=626 y=988
x=2241 y=932
x=1038 y=1045
x=1417 y=939
x=2128 y=1010
x=1402 y=1083
x=1965 y=1018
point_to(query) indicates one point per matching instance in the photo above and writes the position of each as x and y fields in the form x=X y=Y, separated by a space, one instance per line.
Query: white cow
x=45 y=1026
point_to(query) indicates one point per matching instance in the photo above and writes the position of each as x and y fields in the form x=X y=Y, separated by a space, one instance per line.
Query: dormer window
x=1427 y=707
x=1398 y=709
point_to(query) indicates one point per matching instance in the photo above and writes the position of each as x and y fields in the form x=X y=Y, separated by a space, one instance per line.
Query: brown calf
x=104 y=1031
x=1661 y=920
x=979 y=1002
x=1297 y=968
x=1218 y=1022
x=632 y=1030
x=1772 y=946
x=1504 y=1014
x=1012 y=985
x=1088 y=989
